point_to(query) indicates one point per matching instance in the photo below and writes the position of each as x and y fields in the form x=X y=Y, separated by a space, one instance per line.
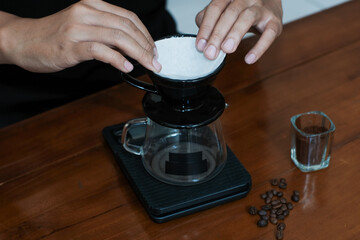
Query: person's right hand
x=89 y=29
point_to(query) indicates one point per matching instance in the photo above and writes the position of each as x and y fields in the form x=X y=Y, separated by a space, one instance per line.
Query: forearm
x=5 y=21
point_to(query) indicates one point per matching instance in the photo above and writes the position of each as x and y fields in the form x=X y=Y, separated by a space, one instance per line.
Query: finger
x=199 y=17
x=120 y=40
x=245 y=21
x=107 y=7
x=116 y=22
x=211 y=15
x=221 y=29
x=101 y=52
x=270 y=33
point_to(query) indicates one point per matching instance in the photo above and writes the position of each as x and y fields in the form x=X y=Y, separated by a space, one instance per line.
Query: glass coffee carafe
x=181 y=156
x=183 y=139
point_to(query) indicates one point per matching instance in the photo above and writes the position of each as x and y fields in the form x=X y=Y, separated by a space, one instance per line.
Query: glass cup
x=312 y=135
x=182 y=157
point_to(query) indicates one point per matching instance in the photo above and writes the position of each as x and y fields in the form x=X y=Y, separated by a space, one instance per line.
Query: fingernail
x=229 y=45
x=128 y=66
x=210 y=52
x=201 y=44
x=156 y=53
x=156 y=64
x=250 y=58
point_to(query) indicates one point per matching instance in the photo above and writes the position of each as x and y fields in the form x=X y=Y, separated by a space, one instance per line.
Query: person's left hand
x=223 y=23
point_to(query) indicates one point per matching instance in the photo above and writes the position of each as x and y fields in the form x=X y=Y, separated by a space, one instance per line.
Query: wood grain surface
x=59 y=180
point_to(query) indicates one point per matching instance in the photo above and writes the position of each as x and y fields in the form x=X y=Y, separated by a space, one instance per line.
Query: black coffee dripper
x=182 y=95
x=180 y=103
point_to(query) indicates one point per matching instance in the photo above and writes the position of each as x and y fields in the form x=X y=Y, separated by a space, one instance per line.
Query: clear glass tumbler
x=312 y=135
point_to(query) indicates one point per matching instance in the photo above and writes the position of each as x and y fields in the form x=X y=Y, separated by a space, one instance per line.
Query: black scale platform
x=164 y=202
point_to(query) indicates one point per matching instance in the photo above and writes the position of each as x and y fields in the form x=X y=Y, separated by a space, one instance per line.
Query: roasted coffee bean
x=266 y=207
x=290 y=206
x=279 y=235
x=273 y=220
x=282 y=185
x=281 y=226
x=261 y=212
x=274 y=192
x=286 y=212
x=295 y=198
x=279 y=212
x=274 y=182
x=262 y=223
x=277 y=206
x=252 y=210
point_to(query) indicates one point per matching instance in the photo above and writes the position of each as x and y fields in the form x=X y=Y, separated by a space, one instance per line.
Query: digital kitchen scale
x=164 y=202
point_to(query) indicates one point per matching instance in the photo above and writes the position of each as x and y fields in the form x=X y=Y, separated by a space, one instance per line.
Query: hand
x=89 y=29
x=223 y=23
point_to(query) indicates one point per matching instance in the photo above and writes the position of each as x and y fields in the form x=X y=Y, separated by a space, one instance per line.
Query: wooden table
x=58 y=178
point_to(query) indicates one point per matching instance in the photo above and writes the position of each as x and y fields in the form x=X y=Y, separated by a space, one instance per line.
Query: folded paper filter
x=181 y=60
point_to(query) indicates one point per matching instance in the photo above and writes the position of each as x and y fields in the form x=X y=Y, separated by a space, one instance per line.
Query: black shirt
x=24 y=94
x=42 y=8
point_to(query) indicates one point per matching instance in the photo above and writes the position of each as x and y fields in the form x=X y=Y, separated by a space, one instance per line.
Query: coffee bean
x=252 y=210
x=273 y=220
x=286 y=212
x=282 y=185
x=277 y=206
x=266 y=207
x=274 y=182
x=295 y=198
x=274 y=192
x=279 y=212
x=263 y=196
x=279 y=235
x=262 y=223
x=262 y=212
x=290 y=206
x=281 y=226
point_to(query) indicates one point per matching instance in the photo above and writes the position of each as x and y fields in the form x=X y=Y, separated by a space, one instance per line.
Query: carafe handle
x=125 y=139
x=137 y=83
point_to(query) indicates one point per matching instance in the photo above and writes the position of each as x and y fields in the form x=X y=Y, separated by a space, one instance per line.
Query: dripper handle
x=139 y=84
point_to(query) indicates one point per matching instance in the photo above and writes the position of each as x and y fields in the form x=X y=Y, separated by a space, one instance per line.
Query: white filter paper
x=181 y=60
